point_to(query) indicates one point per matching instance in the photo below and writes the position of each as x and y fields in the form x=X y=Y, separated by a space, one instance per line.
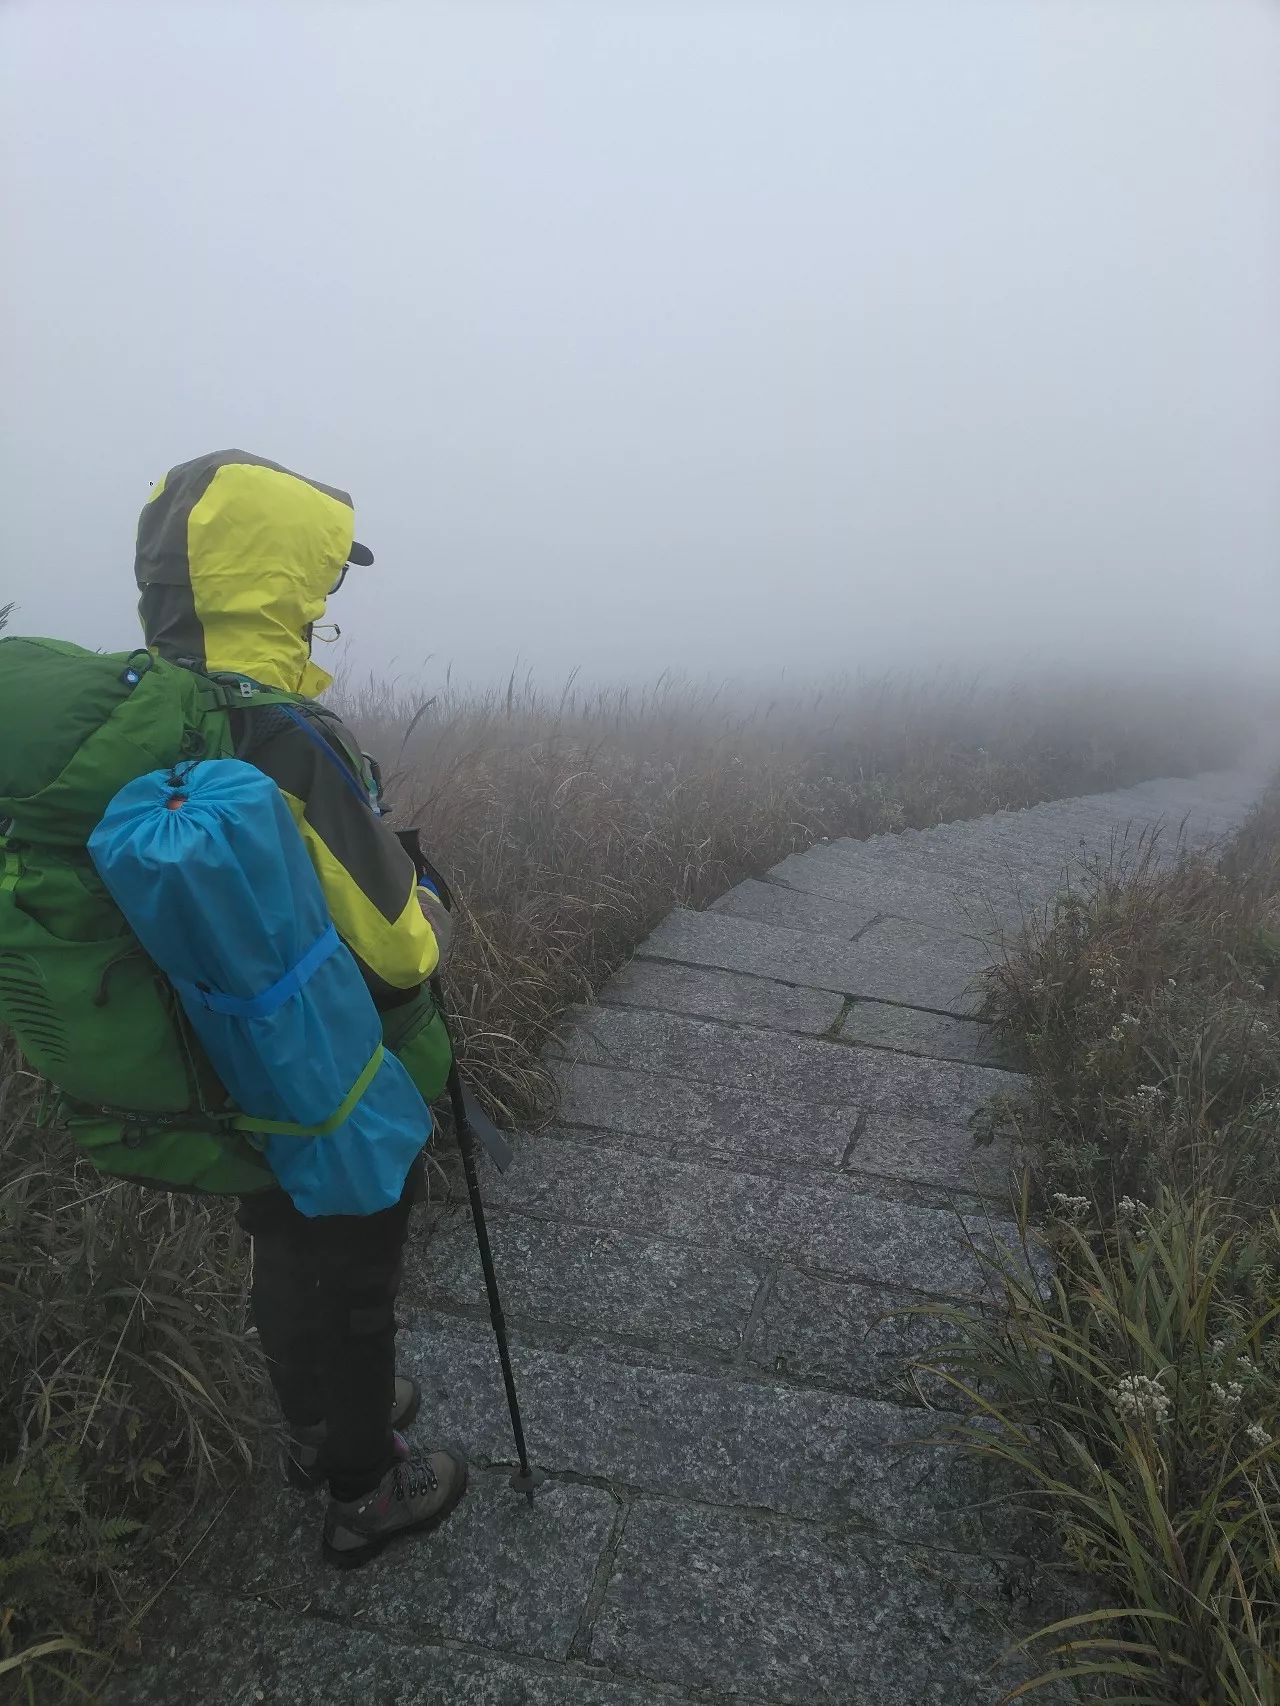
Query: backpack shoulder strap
x=331 y=736
x=320 y=726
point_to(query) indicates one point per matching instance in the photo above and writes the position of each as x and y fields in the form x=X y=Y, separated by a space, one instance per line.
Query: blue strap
x=258 y=1006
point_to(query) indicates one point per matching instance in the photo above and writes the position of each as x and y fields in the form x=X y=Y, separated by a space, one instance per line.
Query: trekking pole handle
x=411 y=841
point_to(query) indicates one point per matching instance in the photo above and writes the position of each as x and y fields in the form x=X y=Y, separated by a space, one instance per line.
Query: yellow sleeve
x=368 y=879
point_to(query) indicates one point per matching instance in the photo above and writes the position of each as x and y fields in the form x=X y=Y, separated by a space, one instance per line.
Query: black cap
x=359 y=554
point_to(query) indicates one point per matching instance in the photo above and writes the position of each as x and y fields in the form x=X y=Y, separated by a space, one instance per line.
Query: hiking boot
x=411 y=1498
x=305 y=1466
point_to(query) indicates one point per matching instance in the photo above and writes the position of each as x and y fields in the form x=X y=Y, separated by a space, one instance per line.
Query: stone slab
x=918 y=965
x=1044 y=842
x=928 y=900
x=1030 y=841
x=771 y=903
x=239 y=1652
x=822 y=1455
x=730 y=996
x=901 y=1146
x=692 y=1201
x=1234 y=789
x=987 y=865
x=744 y=945
x=777 y=1065
x=832 y=1225
x=789 y=1613
x=689 y=1116
x=482 y=1578
x=890 y=961
x=976 y=861
x=586 y=1279
x=999 y=905
x=887 y=1243
x=1046 y=831
x=912 y=1030
x=1120 y=820
x=908 y=852
x=846 y=1337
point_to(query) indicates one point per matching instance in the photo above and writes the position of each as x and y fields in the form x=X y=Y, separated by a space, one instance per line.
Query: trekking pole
x=471 y=1125
x=526 y=1478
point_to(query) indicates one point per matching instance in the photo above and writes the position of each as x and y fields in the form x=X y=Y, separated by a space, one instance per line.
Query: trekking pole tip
x=526 y=1480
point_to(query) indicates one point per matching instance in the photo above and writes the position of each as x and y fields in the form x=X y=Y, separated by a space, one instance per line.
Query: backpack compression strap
x=343 y=1111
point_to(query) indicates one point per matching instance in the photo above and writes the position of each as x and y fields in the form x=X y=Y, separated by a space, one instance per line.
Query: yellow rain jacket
x=236 y=558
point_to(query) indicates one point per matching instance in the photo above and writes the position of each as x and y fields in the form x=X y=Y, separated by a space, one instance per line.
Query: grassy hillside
x=570 y=824
x=574 y=822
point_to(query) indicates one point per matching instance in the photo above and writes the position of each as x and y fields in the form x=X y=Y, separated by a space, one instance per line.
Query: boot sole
x=347 y=1560
x=311 y=1480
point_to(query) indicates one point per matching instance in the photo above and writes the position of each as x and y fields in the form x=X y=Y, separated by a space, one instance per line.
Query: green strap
x=10 y=872
x=231 y=697
x=263 y=696
x=283 y=1128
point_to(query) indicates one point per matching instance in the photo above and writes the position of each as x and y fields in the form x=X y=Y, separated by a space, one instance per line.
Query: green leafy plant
x=53 y=1551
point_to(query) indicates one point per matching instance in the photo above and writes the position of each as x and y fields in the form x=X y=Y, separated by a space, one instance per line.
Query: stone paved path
x=763 y=1150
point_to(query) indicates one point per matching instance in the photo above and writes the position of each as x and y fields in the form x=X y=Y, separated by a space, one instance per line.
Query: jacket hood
x=236 y=557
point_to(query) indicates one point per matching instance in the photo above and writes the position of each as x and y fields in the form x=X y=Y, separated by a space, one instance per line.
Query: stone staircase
x=763 y=1157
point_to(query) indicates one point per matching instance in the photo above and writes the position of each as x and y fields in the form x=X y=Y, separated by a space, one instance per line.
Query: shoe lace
x=414 y=1478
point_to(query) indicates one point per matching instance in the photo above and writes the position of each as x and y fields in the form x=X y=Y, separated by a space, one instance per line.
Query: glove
x=437 y=916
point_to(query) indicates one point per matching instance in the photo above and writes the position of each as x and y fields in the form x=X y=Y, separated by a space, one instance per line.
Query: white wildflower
x=1130 y=1020
x=1131 y=1207
x=1217 y=1347
x=1150 y=1094
x=1229 y=1395
x=1070 y=1207
x=1139 y=1397
x=1257 y=1435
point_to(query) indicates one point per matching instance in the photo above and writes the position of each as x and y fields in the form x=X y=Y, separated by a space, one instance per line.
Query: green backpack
x=89 y=1010
x=87 y=1007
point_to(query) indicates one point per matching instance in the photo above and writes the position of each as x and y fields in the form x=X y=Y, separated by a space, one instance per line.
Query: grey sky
x=720 y=336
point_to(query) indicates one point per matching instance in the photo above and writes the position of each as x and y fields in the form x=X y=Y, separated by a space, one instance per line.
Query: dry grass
x=127 y=1392
x=571 y=825
x=1138 y=1394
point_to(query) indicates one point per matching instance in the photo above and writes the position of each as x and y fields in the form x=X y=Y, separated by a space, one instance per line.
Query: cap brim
x=360 y=554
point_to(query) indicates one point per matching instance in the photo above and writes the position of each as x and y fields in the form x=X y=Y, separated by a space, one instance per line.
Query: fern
x=53 y=1550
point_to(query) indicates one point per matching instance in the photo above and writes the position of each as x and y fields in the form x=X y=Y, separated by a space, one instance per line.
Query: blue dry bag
x=209 y=869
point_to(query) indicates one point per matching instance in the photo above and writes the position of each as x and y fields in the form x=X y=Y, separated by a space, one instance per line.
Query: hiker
x=236 y=558
x=234 y=565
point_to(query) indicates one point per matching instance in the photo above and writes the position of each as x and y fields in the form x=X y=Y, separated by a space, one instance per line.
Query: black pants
x=324 y=1294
